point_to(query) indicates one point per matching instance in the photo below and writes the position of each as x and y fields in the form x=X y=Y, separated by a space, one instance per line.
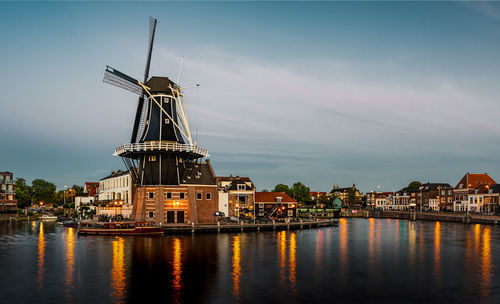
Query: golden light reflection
x=41 y=255
x=412 y=237
x=118 y=270
x=371 y=240
x=69 y=241
x=282 y=255
x=486 y=264
x=293 y=262
x=343 y=245
x=33 y=226
x=437 y=249
x=236 y=267
x=177 y=270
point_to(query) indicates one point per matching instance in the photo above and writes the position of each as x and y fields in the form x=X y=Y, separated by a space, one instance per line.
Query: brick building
x=194 y=200
x=236 y=195
x=91 y=188
x=275 y=205
x=474 y=192
x=8 y=202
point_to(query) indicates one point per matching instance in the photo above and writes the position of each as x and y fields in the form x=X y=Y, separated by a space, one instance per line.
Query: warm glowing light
x=118 y=270
x=292 y=262
x=292 y=206
x=69 y=242
x=236 y=267
x=437 y=249
x=486 y=264
x=41 y=255
x=177 y=270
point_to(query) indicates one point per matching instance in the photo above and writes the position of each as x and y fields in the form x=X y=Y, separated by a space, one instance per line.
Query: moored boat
x=46 y=217
x=119 y=228
x=70 y=223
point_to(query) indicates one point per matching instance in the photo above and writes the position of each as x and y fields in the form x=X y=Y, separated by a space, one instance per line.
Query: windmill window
x=167 y=121
x=181 y=195
x=169 y=194
x=151 y=195
x=209 y=196
x=198 y=196
x=152 y=158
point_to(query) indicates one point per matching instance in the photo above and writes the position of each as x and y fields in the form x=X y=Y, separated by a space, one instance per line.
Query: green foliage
x=414 y=185
x=324 y=200
x=351 y=195
x=44 y=191
x=282 y=188
x=78 y=189
x=300 y=192
x=265 y=190
x=23 y=193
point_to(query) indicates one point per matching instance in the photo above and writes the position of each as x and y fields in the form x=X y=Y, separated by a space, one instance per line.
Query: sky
x=372 y=93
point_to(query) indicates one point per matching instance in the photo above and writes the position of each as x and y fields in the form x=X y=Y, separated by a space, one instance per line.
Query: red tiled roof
x=270 y=197
x=474 y=180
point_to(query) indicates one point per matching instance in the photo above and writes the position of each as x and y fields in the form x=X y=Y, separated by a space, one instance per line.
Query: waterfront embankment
x=245 y=227
x=427 y=216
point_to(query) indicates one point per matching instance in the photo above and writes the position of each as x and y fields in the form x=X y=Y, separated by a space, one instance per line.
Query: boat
x=119 y=228
x=70 y=223
x=46 y=217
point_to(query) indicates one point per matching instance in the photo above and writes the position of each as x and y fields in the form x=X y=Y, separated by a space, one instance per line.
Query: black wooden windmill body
x=161 y=146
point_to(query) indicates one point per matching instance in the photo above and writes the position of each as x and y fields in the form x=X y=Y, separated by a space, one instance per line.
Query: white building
x=83 y=199
x=116 y=186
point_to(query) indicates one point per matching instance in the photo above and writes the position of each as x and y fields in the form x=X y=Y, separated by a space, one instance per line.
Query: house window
x=151 y=214
x=169 y=195
x=152 y=158
x=151 y=195
x=241 y=187
x=198 y=196
x=209 y=196
x=181 y=195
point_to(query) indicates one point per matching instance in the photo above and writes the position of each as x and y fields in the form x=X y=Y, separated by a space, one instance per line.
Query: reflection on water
x=486 y=264
x=236 y=267
x=41 y=255
x=293 y=261
x=177 y=269
x=358 y=260
x=69 y=242
x=118 y=286
x=437 y=248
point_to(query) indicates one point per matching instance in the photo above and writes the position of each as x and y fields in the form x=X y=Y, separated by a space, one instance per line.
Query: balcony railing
x=161 y=146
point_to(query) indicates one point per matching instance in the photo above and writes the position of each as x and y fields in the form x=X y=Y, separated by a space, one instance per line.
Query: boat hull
x=141 y=231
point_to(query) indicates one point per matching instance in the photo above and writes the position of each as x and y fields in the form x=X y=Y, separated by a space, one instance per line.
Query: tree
x=44 y=191
x=265 y=190
x=351 y=195
x=301 y=193
x=78 y=189
x=23 y=193
x=282 y=188
x=324 y=200
x=414 y=185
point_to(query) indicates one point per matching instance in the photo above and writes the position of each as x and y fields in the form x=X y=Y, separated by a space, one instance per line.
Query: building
x=92 y=188
x=8 y=202
x=116 y=186
x=275 y=205
x=315 y=195
x=422 y=195
x=236 y=195
x=343 y=195
x=193 y=200
x=474 y=192
x=84 y=199
x=445 y=198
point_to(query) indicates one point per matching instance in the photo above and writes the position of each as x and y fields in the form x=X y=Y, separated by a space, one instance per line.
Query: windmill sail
x=142 y=105
x=121 y=80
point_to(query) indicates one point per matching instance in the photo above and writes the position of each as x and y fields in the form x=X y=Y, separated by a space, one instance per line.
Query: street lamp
x=238 y=212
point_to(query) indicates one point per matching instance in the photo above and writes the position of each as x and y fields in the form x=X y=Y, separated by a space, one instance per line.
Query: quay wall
x=443 y=217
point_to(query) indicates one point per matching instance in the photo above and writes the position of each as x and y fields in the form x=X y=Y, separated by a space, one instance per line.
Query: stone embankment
x=427 y=216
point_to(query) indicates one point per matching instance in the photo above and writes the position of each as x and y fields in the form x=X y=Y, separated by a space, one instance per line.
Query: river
x=361 y=260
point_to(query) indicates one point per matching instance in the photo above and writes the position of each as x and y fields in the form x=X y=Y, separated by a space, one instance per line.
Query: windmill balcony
x=160 y=146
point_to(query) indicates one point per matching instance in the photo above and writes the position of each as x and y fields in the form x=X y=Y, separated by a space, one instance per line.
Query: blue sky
x=377 y=93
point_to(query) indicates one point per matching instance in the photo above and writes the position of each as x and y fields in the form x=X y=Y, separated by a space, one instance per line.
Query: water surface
x=375 y=260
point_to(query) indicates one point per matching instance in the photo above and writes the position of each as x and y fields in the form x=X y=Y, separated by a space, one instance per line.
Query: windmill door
x=180 y=216
x=170 y=216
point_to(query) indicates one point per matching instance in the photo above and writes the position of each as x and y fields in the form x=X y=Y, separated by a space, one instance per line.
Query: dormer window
x=279 y=199
x=241 y=187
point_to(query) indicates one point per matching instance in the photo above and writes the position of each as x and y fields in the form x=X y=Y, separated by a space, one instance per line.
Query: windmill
x=161 y=147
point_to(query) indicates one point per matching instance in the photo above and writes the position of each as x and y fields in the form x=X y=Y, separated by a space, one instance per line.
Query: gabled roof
x=434 y=186
x=474 y=180
x=270 y=197
x=115 y=174
x=234 y=185
x=198 y=174
x=234 y=181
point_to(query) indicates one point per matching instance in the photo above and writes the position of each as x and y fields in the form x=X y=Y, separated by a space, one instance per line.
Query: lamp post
x=238 y=212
